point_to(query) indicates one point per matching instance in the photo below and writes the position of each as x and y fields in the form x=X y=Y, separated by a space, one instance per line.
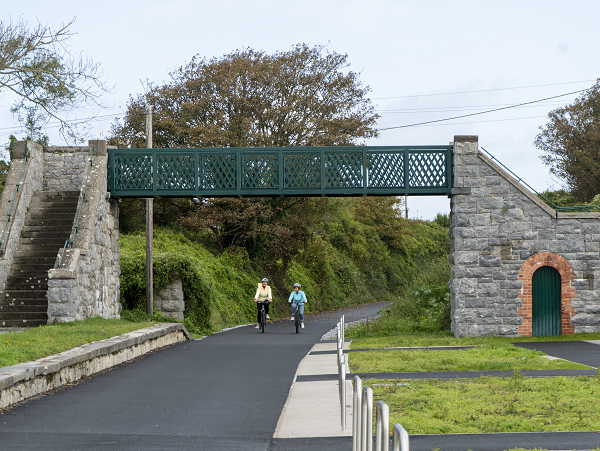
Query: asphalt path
x=224 y=392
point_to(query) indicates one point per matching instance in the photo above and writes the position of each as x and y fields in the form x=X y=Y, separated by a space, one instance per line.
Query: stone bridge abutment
x=501 y=234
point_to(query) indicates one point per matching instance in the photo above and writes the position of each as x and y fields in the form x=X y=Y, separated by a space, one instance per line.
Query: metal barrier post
x=356 y=412
x=366 y=432
x=343 y=391
x=400 y=441
x=382 y=427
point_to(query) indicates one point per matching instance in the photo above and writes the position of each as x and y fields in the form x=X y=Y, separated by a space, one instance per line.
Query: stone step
x=23 y=315
x=42 y=285
x=21 y=308
x=20 y=253
x=23 y=322
x=13 y=295
x=38 y=264
x=57 y=215
x=27 y=278
x=45 y=222
x=44 y=234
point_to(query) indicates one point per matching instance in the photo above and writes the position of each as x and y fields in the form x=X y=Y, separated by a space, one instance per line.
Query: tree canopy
x=571 y=141
x=47 y=79
x=301 y=97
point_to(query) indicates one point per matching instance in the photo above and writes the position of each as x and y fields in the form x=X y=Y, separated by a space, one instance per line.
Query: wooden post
x=149 y=225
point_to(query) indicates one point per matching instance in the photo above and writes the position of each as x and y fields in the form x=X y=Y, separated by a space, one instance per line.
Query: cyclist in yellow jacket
x=263 y=294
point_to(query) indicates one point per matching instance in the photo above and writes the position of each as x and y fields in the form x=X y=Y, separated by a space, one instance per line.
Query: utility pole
x=149 y=225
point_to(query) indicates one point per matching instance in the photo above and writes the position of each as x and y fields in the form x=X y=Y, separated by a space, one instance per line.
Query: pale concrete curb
x=22 y=381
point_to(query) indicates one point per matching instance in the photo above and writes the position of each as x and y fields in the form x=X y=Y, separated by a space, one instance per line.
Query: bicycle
x=297 y=322
x=263 y=316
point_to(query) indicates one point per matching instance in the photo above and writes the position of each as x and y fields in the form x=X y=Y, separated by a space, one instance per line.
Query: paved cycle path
x=224 y=392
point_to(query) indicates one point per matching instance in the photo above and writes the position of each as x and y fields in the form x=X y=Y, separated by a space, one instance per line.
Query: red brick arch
x=567 y=293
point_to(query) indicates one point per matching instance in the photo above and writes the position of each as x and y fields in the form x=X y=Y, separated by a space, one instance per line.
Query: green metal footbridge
x=281 y=171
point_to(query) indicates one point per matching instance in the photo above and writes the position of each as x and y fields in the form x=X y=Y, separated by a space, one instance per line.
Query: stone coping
x=11 y=375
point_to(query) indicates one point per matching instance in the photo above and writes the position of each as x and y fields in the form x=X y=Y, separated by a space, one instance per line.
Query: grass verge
x=446 y=338
x=44 y=341
x=487 y=358
x=491 y=404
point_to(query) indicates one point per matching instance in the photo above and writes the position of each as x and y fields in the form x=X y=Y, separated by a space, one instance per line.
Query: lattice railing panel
x=218 y=171
x=288 y=171
x=176 y=171
x=344 y=170
x=427 y=169
x=386 y=170
x=133 y=172
x=302 y=170
x=261 y=170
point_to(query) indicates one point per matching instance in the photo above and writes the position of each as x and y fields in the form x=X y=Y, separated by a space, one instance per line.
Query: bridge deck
x=281 y=171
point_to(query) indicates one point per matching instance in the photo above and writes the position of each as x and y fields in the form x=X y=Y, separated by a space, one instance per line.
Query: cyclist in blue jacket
x=298 y=299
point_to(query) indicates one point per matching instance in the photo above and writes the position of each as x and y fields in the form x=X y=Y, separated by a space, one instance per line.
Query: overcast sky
x=424 y=60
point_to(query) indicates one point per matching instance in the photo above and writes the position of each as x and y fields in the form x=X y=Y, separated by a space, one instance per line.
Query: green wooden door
x=546 y=302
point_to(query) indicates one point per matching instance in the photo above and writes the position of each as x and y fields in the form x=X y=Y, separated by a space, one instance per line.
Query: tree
x=301 y=97
x=46 y=78
x=571 y=141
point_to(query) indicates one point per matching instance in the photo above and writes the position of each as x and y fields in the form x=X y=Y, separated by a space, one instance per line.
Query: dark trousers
x=259 y=306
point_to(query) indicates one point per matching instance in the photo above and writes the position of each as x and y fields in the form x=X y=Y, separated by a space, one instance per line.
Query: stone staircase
x=48 y=225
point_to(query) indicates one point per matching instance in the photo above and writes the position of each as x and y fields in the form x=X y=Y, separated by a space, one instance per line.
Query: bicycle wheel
x=297 y=322
x=263 y=320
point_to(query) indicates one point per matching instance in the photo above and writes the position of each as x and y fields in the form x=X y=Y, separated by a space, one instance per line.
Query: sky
x=423 y=60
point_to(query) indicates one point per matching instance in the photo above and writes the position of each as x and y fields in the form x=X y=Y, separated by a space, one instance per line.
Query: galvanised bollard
x=343 y=324
x=382 y=427
x=343 y=391
x=400 y=441
x=341 y=358
x=366 y=432
x=356 y=413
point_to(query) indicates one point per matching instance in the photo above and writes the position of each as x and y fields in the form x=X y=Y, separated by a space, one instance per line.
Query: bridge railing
x=281 y=171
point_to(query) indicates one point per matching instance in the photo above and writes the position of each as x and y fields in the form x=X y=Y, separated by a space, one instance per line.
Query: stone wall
x=28 y=174
x=65 y=168
x=500 y=233
x=87 y=282
x=170 y=301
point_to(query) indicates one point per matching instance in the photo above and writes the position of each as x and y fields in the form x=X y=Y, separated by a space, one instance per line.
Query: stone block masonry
x=500 y=233
x=87 y=282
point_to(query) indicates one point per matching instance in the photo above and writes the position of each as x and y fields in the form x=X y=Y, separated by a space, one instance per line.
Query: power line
x=483 y=90
x=481 y=112
x=459 y=108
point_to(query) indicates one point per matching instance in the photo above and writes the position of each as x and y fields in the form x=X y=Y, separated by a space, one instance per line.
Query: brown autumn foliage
x=571 y=141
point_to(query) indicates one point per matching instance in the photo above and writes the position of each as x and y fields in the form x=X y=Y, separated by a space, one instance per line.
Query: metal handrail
x=587 y=208
x=15 y=195
x=71 y=240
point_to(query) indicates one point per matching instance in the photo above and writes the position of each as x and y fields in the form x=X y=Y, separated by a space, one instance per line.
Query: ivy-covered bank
x=361 y=251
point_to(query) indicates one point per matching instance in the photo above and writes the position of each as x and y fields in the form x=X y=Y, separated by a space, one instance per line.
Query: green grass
x=491 y=404
x=487 y=358
x=447 y=339
x=44 y=341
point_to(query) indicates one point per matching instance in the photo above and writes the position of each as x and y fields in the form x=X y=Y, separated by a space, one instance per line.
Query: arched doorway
x=566 y=292
x=545 y=305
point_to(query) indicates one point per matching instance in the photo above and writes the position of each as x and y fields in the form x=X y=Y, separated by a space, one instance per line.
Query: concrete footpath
x=313 y=407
